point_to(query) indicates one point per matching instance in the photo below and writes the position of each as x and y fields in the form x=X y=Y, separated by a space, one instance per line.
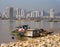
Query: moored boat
x=24 y=31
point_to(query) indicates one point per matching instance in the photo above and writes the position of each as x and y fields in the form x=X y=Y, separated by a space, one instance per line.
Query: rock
x=4 y=45
x=47 y=41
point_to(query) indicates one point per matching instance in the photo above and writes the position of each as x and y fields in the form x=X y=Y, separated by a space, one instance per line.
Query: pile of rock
x=47 y=41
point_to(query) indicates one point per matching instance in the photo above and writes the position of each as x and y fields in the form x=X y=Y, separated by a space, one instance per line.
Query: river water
x=6 y=26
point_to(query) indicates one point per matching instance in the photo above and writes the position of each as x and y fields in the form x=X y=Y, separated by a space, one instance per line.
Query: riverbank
x=47 y=41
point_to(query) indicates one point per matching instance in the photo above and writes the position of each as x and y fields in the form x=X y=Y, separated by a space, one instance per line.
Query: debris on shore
x=46 y=41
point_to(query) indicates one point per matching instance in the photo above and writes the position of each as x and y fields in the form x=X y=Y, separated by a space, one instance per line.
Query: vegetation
x=53 y=21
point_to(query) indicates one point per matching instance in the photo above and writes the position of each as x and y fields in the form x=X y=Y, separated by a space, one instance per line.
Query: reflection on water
x=41 y=24
x=11 y=25
x=6 y=26
x=51 y=24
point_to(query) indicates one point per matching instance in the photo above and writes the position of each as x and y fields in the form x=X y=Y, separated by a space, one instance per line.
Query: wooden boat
x=36 y=32
x=26 y=32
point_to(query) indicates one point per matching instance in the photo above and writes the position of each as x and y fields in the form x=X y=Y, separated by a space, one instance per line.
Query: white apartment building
x=20 y=13
x=28 y=15
x=35 y=14
x=42 y=13
x=52 y=13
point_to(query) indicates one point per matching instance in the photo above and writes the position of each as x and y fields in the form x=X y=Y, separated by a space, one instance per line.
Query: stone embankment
x=47 y=41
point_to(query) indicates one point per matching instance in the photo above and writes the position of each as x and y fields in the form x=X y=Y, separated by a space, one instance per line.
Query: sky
x=31 y=4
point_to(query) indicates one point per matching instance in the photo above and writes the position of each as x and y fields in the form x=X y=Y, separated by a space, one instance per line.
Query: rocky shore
x=47 y=41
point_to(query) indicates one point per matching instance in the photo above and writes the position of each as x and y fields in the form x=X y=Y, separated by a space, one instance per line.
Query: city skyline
x=12 y=13
x=31 y=4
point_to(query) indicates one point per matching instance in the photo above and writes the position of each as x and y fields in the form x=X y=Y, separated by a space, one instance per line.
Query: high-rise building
x=28 y=14
x=52 y=13
x=14 y=14
x=42 y=13
x=0 y=14
x=20 y=13
x=23 y=13
x=10 y=12
x=4 y=14
x=35 y=14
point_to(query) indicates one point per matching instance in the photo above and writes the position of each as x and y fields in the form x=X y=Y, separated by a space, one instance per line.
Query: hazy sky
x=31 y=4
